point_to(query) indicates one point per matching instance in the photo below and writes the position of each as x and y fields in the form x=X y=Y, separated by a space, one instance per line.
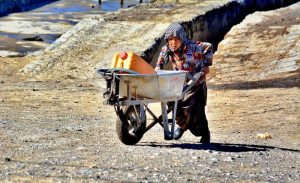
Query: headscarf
x=175 y=29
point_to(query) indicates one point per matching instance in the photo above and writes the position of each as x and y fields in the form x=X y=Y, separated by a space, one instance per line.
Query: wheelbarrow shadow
x=223 y=147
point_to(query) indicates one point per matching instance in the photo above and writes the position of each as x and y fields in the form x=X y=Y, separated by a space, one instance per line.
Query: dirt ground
x=59 y=130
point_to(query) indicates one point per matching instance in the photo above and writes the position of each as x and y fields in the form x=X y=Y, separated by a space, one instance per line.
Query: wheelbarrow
x=130 y=93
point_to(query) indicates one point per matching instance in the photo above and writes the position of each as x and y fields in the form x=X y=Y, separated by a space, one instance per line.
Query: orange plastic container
x=132 y=61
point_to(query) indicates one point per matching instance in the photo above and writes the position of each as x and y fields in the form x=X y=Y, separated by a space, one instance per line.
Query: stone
x=10 y=54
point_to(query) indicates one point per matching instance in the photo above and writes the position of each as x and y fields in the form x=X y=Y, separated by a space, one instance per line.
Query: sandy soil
x=58 y=130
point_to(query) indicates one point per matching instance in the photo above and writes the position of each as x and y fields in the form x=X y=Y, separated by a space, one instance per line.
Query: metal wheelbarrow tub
x=164 y=84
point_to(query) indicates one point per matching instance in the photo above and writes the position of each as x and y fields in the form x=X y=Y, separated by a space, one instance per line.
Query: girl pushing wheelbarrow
x=191 y=57
x=131 y=87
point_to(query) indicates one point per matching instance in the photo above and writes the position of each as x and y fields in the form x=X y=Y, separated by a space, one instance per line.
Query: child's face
x=174 y=43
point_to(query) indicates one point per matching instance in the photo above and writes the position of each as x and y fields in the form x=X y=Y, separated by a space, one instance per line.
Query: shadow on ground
x=224 y=147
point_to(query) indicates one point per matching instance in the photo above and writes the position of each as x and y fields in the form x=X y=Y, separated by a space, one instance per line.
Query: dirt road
x=58 y=130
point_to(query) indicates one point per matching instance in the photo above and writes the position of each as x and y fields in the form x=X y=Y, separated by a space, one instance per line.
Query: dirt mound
x=265 y=46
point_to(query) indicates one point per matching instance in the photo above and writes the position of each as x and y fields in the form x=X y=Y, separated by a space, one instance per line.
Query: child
x=186 y=55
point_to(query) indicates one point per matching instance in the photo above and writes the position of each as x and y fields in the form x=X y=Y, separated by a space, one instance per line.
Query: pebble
x=214 y=160
x=7 y=159
x=10 y=54
x=238 y=156
x=229 y=174
x=229 y=159
x=195 y=157
x=208 y=151
x=129 y=175
x=215 y=153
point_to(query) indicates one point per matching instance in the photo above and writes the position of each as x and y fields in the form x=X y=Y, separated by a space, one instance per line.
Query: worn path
x=58 y=129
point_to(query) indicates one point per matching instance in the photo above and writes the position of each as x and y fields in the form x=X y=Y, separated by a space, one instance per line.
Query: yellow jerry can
x=132 y=61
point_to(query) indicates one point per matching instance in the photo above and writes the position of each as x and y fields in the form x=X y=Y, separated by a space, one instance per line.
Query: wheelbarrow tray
x=164 y=84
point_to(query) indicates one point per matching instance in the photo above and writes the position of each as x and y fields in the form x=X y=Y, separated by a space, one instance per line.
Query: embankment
x=93 y=42
x=214 y=24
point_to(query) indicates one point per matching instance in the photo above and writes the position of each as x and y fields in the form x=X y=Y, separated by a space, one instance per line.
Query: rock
x=7 y=159
x=214 y=160
x=229 y=159
x=264 y=136
x=11 y=54
x=245 y=47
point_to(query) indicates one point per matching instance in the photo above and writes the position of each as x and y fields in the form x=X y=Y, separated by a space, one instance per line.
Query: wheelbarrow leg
x=167 y=134
x=174 y=117
x=157 y=119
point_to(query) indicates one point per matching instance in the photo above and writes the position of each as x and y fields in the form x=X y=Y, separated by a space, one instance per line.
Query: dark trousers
x=191 y=111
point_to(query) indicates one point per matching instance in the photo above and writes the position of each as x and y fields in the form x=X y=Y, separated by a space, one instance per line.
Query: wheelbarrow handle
x=108 y=72
x=193 y=80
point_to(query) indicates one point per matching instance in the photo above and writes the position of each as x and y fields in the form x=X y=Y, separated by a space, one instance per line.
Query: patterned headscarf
x=175 y=29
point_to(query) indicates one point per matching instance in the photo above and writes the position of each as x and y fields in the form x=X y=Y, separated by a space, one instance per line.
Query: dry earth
x=57 y=130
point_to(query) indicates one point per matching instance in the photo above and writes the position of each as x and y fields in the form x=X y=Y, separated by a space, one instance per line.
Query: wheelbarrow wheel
x=129 y=129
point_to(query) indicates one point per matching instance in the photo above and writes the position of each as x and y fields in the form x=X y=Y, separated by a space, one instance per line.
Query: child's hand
x=158 y=67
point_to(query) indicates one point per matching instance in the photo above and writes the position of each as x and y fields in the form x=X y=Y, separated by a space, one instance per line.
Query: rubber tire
x=122 y=125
